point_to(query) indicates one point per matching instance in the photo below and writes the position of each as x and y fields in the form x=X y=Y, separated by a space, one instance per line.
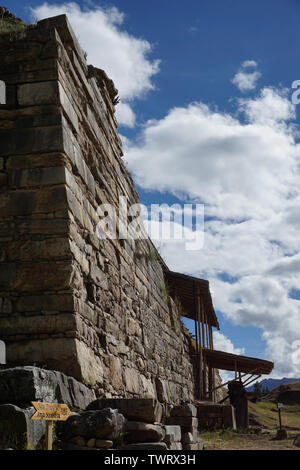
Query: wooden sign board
x=50 y=412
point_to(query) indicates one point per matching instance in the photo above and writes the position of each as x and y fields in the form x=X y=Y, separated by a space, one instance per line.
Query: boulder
x=22 y=385
x=17 y=429
x=136 y=432
x=147 y=410
x=98 y=424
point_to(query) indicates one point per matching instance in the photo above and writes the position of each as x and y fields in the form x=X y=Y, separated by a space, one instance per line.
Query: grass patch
x=10 y=28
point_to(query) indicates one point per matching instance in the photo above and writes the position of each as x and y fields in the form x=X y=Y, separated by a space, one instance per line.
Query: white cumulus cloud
x=246 y=172
x=247 y=76
x=124 y=57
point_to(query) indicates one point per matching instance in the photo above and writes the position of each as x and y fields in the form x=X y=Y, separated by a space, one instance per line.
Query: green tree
x=257 y=389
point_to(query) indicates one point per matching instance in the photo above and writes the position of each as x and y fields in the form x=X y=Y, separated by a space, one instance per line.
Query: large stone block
x=29 y=277
x=184 y=410
x=22 y=385
x=143 y=432
x=15 y=203
x=29 y=250
x=187 y=423
x=105 y=424
x=56 y=353
x=37 y=324
x=173 y=434
x=34 y=140
x=32 y=94
x=37 y=177
x=17 y=430
x=136 y=409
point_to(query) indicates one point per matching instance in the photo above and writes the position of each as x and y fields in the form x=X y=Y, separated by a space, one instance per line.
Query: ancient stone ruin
x=93 y=309
x=93 y=317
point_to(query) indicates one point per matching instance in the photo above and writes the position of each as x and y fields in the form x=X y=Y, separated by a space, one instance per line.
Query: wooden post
x=49 y=435
x=200 y=380
x=50 y=412
x=203 y=336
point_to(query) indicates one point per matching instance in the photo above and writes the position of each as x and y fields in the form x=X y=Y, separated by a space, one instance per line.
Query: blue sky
x=223 y=70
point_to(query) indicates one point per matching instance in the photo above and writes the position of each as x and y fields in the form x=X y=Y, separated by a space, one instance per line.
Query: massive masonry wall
x=91 y=308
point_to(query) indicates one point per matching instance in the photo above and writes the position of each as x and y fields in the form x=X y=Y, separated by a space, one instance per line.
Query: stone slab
x=21 y=385
x=184 y=410
x=137 y=409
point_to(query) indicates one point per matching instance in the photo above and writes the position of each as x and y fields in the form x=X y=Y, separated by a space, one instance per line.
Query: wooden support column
x=211 y=345
x=202 y=317
x=200 y=345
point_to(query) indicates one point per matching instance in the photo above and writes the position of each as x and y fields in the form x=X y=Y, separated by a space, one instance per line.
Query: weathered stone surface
x=162 y=390
x=143 y=432
x=187 y=423
x=184 y=410
x=139 y=409
x=104 y=424
x=60 y=159
x=31 y=94
x=22 y=385
x=146 y=446
x=17 y=429
x=173 y=434
x=27 y=202
x=34 y=140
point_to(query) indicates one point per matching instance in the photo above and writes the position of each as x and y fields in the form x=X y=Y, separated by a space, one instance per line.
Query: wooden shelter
x=196 y=304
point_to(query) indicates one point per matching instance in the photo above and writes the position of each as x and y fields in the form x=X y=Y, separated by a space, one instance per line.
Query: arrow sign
x=51 y=411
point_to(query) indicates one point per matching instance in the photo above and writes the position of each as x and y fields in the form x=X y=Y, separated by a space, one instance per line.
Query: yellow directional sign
x=51 y=411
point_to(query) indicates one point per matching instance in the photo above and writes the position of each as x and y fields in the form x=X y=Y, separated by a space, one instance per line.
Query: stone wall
x=93 y=309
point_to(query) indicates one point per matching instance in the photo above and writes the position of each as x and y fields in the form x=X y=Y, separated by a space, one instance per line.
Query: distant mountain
x=270 y=384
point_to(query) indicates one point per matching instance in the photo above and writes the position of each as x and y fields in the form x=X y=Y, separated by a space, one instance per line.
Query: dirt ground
x=264 y=425
x=229 y=440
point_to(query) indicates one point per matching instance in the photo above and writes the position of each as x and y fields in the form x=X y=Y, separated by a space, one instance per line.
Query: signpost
x=50 y=412
x=280 y=406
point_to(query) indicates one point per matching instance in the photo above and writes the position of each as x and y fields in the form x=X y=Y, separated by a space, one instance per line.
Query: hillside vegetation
x=288 y=393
